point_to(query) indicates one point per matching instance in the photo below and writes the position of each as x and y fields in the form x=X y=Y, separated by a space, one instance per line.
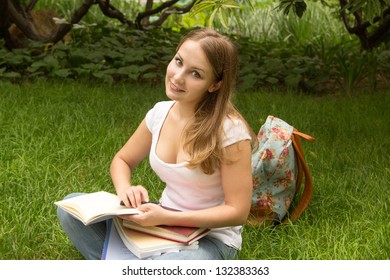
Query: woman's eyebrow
x=193 y=67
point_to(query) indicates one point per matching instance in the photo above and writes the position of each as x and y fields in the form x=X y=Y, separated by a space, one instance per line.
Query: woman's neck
x=183 y=111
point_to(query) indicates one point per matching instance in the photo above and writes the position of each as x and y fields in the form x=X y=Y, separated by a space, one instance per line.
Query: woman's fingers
x=134 y=196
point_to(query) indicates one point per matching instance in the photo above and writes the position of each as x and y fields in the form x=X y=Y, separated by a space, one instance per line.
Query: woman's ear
x=214 y=87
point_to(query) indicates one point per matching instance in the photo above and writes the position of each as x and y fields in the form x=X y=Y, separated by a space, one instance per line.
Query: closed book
x=185 y=235
x=145 y=245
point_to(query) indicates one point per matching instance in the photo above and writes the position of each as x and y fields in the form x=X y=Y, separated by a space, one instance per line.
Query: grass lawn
x=57 y=138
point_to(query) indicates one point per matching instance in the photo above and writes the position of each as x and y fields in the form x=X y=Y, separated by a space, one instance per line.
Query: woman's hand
x=133 y=196
x=153 y=215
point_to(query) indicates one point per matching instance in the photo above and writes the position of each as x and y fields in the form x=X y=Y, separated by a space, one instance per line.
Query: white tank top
x=190 y=189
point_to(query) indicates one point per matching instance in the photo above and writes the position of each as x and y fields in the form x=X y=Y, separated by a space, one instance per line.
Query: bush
x=282 y=52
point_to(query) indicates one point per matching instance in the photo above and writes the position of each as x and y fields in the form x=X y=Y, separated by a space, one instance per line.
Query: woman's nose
x=178 y=77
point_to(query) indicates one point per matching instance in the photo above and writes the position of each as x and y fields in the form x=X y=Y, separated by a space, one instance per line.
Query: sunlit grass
x=59 y=137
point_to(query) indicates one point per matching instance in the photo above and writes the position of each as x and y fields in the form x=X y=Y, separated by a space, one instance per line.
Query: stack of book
x=144 y=242
x=125 y=239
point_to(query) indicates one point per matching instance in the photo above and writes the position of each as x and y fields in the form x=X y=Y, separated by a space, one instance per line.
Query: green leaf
x=384 y=59
x=129 y=70
x=146 y=67
x=300 y=8
x=51 y=61
x=64 y=73
x=103 y=76
x=202 y=6
x=223 y=18
x=151 y=75
x=293 y=80
x=248 y=81
x=12 y=75
x=211 y=18
x=272 y=80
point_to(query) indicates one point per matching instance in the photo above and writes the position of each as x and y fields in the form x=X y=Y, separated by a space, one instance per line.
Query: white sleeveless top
x=190 y=189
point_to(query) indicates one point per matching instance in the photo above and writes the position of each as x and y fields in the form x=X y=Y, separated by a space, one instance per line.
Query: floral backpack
x=278 y=169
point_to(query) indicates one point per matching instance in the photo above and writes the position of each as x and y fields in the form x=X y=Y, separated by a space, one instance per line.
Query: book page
x=96 y=204
x=177 y=233
x=143 y=245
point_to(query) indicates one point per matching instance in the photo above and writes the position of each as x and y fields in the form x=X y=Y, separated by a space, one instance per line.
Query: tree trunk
x=5 y=24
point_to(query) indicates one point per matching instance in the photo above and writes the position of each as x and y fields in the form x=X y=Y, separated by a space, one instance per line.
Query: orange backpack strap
x=303 y=171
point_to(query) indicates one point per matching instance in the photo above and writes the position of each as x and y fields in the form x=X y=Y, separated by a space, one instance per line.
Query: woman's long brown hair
x=203 y=137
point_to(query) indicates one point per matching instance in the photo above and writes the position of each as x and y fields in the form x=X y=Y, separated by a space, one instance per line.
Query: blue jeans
x=89 y=240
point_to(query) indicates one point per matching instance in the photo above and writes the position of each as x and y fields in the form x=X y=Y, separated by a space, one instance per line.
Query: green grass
x=59 y=137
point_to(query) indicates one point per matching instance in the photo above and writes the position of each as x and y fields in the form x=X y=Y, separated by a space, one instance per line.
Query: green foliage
x=126 y=55
x=312 y=66
x=213 y=9
x=370 y=8
x=297 y=6
x=275 y=51
x=308 y=65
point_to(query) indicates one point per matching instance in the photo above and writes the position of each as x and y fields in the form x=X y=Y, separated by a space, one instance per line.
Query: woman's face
x=189 y=75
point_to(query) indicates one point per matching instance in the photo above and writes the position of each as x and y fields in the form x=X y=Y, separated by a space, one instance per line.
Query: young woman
x=200 y=147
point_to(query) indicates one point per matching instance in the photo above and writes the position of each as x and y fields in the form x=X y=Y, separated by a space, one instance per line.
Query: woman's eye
x=196 y=74
x=178 y=61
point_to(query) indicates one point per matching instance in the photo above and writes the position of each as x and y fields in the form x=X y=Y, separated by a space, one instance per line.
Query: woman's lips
x=175 y=88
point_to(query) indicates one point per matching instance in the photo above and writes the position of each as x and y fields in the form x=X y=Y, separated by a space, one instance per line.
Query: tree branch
x=380 y=34
x=31 y=5
x=149 y=5
x=63 y=29
x=4 y=25
x=166 y=8
x=151 y=12
x=110 y=11
x=24 y=24
x=168 y=12
x=368 y=40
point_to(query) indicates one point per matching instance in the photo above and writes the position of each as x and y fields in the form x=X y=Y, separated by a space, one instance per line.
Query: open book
x=185 y=235
x=95 y=207
x=144 y=245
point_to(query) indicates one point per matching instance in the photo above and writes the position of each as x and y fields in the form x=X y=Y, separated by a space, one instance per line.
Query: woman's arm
x=125 y=161
x=237 y=186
